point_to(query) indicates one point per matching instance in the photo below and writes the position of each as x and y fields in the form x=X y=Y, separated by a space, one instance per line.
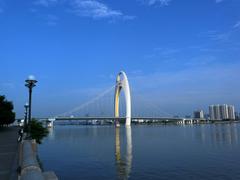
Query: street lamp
x=30 y=83
x=25 y=116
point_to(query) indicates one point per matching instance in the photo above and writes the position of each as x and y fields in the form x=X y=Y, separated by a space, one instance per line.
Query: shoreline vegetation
x=37 y=130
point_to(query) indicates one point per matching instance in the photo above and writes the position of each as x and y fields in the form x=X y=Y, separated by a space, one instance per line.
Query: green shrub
x=37 y=130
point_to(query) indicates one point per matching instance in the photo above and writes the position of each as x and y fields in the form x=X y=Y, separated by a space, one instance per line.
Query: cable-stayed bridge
x=103 y=106
x=111 y=104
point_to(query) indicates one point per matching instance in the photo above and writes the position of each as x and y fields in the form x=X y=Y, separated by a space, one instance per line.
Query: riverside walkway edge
x=8 y=152
x=30 y=168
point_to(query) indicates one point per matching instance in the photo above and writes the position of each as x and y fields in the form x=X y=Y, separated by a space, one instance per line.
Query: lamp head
x=26 y=105
x=31 y=80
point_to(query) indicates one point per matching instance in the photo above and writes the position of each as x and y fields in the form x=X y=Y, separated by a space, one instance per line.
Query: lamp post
x=30 y=83
x=25 y=116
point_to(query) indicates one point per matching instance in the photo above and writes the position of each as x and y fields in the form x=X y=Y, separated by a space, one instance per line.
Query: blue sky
x=179 y=55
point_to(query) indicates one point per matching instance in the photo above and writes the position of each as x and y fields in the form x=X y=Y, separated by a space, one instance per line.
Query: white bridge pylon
x=122 y=84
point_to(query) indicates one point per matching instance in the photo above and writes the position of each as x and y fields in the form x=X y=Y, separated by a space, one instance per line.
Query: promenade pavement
x=8 y=152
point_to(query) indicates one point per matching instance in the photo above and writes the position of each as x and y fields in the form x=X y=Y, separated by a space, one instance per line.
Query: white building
x=224 y=111
x=231 y=112
x=211 y=112
x=216 y=109
x=221 y=112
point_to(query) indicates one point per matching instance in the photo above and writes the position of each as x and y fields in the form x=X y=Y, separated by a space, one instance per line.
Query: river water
x=210 y=151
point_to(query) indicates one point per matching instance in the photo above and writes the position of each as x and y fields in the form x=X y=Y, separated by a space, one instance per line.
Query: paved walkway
x=8 y=152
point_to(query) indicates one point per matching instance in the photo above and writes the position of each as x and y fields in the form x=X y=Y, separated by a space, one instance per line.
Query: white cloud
x=159 y=2
x=96 y=9
x=86 y=8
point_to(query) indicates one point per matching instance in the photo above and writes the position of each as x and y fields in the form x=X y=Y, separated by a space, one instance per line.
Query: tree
x=37 y=131
x=7 y=116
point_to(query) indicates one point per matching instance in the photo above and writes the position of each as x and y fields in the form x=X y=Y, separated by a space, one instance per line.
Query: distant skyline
x=180 y=55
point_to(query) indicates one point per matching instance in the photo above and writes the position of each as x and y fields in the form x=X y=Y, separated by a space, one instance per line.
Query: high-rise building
x=231 y=112
x=198 y=114
x=224 y=111
x=211 y=113
x=216 y=109
x=221 y=112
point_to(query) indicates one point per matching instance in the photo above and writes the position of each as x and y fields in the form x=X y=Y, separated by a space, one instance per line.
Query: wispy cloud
x=96 y=10
x=167 y=51
x=45 y=3
x=164 y=53
x=156 y=2
x=51 y=19
x=86 y=8
x=219 y=1
x=201 y=61
x=223 y=36
x=191 y=56
x=217 y=36
x=196 y=86
x=2 y=6
x=160 y=51
x=237 y=25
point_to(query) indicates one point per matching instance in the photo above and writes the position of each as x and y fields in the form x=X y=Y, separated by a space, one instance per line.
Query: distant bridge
x=86 y=111
x=122 y=119
x=118 y=118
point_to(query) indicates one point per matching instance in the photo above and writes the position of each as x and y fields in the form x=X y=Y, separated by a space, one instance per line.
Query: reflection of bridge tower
x=122 y=83
x=123 y=165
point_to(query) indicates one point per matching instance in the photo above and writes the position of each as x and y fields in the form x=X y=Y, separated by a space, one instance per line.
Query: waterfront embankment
x=19 y=160
x=29 y=163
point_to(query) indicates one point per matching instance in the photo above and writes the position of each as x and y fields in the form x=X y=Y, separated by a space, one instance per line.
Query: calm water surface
x=143 y=152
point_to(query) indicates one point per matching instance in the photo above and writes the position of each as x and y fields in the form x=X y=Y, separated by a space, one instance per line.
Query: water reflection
x=208 y=151
x=123 y=165
x=51 y=134
x=219 y=134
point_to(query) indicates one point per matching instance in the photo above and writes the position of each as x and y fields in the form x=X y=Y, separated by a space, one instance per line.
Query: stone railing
x=29 y=165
